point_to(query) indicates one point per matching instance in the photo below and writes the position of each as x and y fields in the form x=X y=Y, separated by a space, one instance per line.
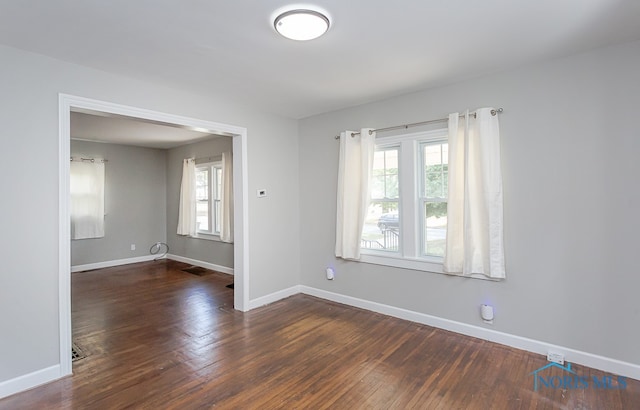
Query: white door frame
x=68 y=103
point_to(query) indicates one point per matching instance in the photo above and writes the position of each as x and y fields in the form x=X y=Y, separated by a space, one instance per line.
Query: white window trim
x=209 y=235
x=411 y=256
x=398 y=261
x=425 y=264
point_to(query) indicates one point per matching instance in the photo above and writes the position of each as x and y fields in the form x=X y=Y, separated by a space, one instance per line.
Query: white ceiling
x=128 y=131
x=375 y=49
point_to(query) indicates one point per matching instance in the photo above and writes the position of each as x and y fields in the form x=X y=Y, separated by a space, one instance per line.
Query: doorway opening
x=69 y=104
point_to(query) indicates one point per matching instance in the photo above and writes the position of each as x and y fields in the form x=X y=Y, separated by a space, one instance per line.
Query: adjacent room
x=425 y=205
x=126 y=186
x=141 y=192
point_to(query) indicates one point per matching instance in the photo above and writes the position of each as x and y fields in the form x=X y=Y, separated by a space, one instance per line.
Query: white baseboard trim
x=273 y=297
x=29 y=381
x=202 y=264
x=571 y=355
x=108 y=264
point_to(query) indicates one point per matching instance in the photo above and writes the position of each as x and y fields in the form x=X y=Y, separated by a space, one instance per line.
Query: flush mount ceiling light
x=301 y=24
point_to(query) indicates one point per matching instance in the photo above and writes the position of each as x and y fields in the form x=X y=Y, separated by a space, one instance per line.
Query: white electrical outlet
x=133 y=246
x=555 y=357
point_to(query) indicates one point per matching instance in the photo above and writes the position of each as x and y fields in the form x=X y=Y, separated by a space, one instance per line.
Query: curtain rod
x=416 y=124
x=89 y=159
x=211 y=158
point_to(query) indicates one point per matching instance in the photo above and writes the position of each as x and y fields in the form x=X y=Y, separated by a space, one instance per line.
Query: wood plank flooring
x=160 y=338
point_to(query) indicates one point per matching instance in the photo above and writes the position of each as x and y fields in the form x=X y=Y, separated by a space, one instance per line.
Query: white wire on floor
x=157 y=248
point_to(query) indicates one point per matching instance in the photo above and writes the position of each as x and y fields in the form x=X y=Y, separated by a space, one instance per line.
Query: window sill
x=400 y=262
x=425 y=265
x=207 y=237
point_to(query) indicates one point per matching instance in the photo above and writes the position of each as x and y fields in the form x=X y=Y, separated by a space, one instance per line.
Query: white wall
x=30 y=85
x=135 y=202
x=570 y=149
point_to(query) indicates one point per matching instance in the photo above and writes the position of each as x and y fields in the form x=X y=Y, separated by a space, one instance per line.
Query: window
x=433 y=197
x=382 y=225
x=87 y=198
x=208 y=193
x=406 y=223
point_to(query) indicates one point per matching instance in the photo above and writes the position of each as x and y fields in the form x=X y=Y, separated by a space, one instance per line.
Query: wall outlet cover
x=555 y=357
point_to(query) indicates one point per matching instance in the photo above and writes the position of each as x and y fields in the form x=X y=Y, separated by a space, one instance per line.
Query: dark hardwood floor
x=160 y=338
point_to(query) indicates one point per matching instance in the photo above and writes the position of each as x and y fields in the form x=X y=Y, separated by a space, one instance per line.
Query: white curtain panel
x=474 y=211
x=354 y=180
x=187 y=210
x=226 y=200
x=87 y=199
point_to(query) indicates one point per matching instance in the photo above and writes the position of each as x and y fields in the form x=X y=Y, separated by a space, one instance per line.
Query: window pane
x=436 y=168
x=391 y=161
x=435 y=228
x=202 y=215
x=391 y=186
x=377 y=186
x=381 y=227
x=202 y=198
x=384 y=181
x=202 y=184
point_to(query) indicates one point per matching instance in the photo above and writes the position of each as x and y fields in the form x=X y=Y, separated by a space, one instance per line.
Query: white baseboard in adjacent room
x=202 y=264
x=594 y=361
x=273 y=297
x=116 y=262
x=29 y=381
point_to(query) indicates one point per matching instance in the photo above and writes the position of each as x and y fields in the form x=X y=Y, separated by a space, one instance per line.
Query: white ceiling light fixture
x=301 y=24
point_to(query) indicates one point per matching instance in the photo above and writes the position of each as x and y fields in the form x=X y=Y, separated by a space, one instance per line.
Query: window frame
x=410 y=254
x=212 y=187
x=382 y=252
x=421 y=195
